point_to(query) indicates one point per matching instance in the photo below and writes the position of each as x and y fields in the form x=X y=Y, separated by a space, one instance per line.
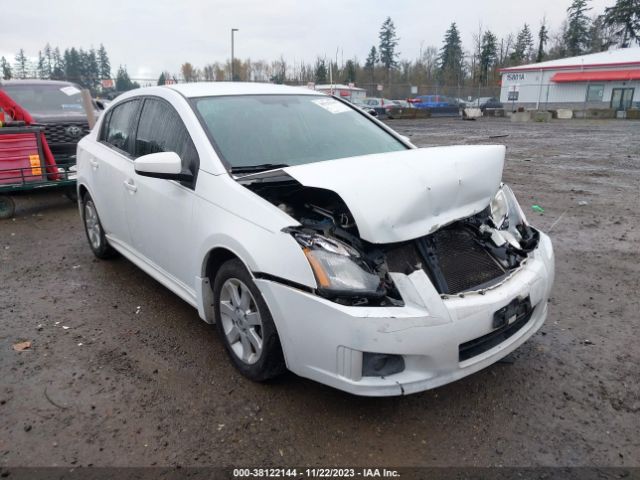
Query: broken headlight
x=507 y=216
x=338 y=268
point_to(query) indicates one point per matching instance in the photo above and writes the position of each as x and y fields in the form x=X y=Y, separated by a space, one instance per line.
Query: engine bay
x=471 y=254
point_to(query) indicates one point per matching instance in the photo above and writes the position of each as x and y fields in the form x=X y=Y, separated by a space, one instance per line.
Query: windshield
x=268 y=130
x=46 y=99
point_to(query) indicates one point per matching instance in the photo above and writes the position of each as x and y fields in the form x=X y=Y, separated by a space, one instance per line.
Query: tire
x=71 y=193
x=94 y=231
x=239 y=330
x=7 y=207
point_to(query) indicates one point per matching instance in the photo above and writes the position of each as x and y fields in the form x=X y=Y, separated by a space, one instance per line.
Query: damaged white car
x=315 y=237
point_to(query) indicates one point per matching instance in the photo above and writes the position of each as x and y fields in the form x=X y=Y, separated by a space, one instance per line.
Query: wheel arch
x=211 y=263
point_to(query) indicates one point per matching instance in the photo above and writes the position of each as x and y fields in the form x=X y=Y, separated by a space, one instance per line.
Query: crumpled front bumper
x=324 y=341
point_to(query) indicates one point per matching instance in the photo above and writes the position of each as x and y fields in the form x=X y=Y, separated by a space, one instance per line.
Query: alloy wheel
x=241 y=321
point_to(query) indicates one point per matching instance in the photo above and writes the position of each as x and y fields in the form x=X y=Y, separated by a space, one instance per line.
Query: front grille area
x=57 y=133
x=459 y=263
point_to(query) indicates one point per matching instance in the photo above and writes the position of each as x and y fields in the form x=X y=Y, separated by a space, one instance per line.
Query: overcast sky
x=150 y=36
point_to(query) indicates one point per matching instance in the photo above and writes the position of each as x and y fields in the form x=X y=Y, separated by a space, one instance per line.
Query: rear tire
x=7 y=207
x=94 y=231
x=245 y=324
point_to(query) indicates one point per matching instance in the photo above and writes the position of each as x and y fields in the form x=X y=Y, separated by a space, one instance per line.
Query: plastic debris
x=65 y=327
x=537 y=208
x=582 y=203
x=138 y=308
x=22 y=346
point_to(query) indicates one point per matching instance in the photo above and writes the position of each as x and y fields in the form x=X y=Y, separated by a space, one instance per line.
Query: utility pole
x=233 y=77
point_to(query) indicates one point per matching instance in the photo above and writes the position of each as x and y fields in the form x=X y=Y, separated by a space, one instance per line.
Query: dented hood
x=404 y=195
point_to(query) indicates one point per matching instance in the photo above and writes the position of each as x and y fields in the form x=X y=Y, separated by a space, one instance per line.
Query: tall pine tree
x=370 y=62
x=5 y=69
x=103 y=63
x=451 y=58
x=624 y=17
x=387 y=49
x=543 y=38
x=523 y=47
x=488 y=55
x=578 y=25
x=21 y=67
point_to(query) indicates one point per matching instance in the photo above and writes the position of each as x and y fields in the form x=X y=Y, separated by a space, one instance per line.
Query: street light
x=233 y=78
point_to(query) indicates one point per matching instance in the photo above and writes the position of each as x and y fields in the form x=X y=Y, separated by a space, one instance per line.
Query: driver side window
x=161 y=130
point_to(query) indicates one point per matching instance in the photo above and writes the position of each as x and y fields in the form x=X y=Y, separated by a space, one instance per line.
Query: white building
x=599 y=80
x=349 y=92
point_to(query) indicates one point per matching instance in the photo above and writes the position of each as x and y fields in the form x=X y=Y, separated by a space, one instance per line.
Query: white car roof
x=207 y=89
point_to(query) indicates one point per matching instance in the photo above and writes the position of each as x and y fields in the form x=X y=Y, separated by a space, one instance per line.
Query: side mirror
x=165 y=165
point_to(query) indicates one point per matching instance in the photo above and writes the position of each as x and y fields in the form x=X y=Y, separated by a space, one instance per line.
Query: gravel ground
x=122 y=372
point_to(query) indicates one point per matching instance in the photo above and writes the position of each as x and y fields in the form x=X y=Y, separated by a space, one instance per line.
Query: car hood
x=400 y=196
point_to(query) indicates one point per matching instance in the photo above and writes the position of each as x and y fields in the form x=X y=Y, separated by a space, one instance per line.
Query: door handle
x=129 y=185
x=93 y=163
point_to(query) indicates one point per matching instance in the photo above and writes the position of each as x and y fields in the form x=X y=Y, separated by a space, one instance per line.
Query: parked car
x=363 y=106
x=380 y=105
x=485 y=102
x=438 y=105
x=314 y=236
x=58 y=107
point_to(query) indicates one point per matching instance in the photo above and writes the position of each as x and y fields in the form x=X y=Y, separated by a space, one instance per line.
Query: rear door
x=159 y=212
x=111 y=161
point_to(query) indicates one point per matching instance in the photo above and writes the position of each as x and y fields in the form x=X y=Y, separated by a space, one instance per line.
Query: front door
x=160 y=211
x=621 y=98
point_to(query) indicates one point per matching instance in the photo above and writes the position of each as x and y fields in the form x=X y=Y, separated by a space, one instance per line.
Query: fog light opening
x=381 y=364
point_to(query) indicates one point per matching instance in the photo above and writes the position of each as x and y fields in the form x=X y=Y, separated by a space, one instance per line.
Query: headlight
x=507 y=215
x=337 y=267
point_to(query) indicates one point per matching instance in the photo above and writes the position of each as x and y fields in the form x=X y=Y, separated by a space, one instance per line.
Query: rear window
x=119 y=125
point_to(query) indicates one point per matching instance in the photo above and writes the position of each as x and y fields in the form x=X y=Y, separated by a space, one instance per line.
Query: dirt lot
x=122 y=372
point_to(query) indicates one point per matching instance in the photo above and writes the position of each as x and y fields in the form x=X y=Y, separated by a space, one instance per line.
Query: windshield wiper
x=257 y=168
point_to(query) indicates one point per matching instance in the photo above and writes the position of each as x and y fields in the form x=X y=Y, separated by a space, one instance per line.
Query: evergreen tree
x=41 y=68
x=624 y=17
x=451 y=57
x=103 y=63
x=72 y=65
x=388 y=44
x=5 y=69
x=22 y=65
x=543 y=37
x=162 y=79
x=47 y=53
x=89 y=70
x=601 y=35
x=488 y=55
x=350 y=72
x=523 y=47
x=320 y=71
x=123 y=81
x=578 y=24
x=58 y=67
x=370 y=62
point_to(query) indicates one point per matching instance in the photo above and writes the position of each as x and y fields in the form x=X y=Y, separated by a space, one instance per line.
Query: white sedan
x=314 y=236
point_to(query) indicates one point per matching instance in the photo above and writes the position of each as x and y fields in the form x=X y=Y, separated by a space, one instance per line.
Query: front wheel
x=93 y=228
x=245 y=324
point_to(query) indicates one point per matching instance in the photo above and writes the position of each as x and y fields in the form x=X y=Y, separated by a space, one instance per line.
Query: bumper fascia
x=324 y=341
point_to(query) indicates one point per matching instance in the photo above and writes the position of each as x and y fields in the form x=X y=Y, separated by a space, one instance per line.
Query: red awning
x=598 y=76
